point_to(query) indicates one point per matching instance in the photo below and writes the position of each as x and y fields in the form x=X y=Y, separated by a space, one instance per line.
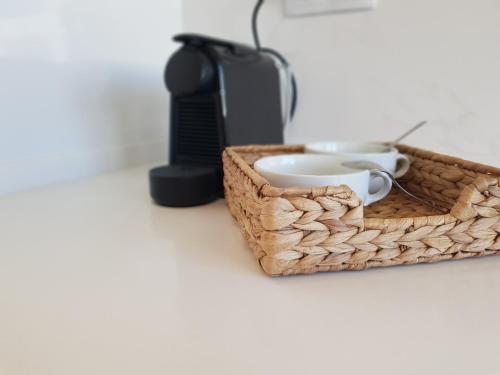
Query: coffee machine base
x=183 y=185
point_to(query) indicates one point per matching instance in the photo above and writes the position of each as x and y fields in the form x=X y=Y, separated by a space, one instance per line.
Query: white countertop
x=95 y=279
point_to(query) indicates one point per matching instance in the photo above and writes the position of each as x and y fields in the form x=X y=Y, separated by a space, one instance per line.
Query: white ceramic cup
x=388 y=158
x=307 y=170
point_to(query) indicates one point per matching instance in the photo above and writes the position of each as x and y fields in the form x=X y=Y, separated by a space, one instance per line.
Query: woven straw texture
x=305 y=230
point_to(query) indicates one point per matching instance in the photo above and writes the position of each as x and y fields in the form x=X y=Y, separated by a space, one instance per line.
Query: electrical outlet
x=294 y=8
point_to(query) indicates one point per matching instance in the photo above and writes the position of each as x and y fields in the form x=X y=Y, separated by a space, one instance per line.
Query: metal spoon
x=407 y=133
x=371 y=166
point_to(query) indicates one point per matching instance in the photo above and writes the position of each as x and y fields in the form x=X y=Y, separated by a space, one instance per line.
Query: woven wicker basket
x=305 y=230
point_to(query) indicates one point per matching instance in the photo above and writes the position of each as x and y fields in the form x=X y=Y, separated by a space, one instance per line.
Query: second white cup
x=386 y=157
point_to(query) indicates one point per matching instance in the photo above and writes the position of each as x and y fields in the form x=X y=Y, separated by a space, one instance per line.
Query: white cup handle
x=403 y=164
x=384 y=189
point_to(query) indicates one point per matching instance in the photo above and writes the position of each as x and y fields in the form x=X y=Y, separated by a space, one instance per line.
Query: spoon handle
x=407 y=133
x=418 y=199
x=374 y=167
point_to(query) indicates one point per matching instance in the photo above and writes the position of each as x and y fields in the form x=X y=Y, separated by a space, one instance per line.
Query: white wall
x=371 y=75
x=81 y=87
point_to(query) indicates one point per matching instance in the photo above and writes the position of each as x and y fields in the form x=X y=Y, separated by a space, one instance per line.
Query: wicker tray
x=305 y=230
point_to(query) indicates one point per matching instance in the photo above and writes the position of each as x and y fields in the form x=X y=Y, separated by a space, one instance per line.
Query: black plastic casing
x=183 y=185
x=222 y=94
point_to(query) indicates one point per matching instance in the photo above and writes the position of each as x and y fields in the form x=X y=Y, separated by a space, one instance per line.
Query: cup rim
x=266 y=169
x=314 y=147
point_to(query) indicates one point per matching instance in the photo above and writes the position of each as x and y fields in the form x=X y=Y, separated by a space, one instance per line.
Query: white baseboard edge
x=42 y=171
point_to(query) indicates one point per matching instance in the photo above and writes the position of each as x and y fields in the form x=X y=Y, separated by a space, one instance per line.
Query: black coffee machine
x=222 y=94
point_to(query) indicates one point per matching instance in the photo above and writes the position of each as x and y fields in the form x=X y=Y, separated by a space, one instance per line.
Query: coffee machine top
x=242 y=83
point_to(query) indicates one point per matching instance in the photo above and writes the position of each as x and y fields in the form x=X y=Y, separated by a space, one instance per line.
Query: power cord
x=279 y=56
x=255 y=30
